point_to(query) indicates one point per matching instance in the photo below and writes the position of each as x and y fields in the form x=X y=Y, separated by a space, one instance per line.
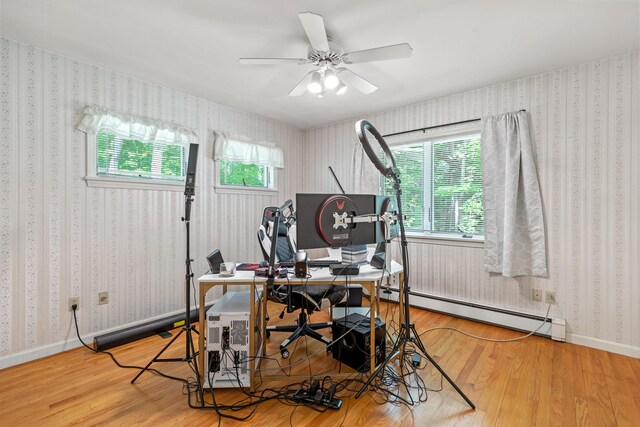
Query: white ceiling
x=193 y=45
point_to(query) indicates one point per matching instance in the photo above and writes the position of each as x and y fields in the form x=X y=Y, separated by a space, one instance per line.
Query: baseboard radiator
x=525 y=322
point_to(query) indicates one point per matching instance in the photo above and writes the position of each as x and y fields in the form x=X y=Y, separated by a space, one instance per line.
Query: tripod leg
x=195 y=368
x=415 y=339
x=383 y=365
x=157 y=356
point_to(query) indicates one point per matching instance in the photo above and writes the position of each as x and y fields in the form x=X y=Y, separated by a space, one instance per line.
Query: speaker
x=378 y=260
x=215 y=259
x=353 y=348
x=300 y=267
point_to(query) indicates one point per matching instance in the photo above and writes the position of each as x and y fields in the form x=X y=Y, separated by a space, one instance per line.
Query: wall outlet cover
x=536 y=294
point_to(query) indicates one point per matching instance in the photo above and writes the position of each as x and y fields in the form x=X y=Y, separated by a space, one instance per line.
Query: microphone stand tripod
x=190 y=355
x=407 y=333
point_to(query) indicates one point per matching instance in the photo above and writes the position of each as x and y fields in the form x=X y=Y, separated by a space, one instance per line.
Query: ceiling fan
x=328 y=57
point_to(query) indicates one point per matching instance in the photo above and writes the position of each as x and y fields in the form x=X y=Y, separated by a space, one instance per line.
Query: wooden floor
x=535 y=381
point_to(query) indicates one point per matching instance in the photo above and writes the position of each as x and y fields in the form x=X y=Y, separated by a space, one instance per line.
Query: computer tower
x=228 y=352
x=352 y=349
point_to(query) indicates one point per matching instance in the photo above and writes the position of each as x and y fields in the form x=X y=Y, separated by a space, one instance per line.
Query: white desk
x=369 y=277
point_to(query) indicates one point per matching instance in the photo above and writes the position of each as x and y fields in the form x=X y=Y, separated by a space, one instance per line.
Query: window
x=134 y=152
x=441 y=182
x=132 y=158
x=246 y=166
x=246 y=175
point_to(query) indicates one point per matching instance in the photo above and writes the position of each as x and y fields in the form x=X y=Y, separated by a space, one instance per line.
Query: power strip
x=314 y=395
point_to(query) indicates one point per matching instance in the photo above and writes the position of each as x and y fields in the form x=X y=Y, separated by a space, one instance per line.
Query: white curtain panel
x=143 y=129
x=236 y=150
x=513 y=218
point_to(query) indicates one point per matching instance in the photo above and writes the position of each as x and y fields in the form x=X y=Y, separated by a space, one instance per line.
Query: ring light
x=362 y=126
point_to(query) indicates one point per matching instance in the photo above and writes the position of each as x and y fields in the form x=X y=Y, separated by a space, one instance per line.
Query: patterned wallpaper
x=60 y=238
x=586 y=141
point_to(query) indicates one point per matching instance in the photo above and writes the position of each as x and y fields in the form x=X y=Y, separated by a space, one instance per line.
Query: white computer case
x=228 y=353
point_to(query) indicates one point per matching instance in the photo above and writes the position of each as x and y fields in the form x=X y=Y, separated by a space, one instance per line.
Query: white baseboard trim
x=613 y=347
x=524 y=322
x=59 y=347
x=509 y=319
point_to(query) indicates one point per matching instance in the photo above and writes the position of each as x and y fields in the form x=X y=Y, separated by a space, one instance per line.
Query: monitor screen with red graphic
x=315 y=220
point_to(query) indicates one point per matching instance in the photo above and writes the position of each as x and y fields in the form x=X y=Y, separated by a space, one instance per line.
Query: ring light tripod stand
x=407 y=333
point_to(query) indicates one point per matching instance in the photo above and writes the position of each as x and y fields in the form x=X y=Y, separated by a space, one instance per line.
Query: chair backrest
x=311 y=298
x=285 y=244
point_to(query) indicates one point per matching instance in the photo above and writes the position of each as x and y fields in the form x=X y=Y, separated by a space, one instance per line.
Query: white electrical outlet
x=74 y=301
x=536 y=294
x=550 y=297
x=103 y=298
x=394 y=281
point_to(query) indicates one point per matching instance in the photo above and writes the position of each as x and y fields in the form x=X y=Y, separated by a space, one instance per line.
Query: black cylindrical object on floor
x=134 y=333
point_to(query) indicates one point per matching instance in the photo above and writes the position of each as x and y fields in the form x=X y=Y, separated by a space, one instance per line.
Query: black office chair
x=305 y=298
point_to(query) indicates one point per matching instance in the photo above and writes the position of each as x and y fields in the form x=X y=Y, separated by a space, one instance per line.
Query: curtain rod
x=436 y=126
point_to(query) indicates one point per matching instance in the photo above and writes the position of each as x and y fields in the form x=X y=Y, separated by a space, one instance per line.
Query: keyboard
x=312 y=263
x=323 y=262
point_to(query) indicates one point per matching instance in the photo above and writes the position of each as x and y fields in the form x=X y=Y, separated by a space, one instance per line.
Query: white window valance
x=126 y=126
x=236 y=150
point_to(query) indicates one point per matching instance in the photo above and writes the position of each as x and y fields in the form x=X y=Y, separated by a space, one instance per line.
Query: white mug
x=227 y=268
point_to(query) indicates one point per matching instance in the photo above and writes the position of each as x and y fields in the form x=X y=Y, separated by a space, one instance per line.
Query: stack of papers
x=354 y=254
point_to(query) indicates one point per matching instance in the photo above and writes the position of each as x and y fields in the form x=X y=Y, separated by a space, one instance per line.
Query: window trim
x=119 y=182
x=449 y=239
x=434 y=237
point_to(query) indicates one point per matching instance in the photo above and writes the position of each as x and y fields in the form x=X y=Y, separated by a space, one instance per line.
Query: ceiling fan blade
x=302 y=86
x=351 y=79
x=272 y=61
x=396 y=51
x=314 y=27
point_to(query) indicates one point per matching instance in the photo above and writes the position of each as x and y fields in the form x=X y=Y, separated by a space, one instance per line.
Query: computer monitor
x=315 y=219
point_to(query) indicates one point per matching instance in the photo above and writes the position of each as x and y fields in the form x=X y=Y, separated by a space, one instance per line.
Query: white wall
x=585 y=121
x=59 y=238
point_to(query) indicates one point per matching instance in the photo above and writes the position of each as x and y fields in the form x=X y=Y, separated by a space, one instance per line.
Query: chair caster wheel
x=284 y=353
x=268 y=334
x=328 y=349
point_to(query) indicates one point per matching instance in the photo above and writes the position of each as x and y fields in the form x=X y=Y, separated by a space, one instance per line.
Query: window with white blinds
x=116 y=156
x=441 y=182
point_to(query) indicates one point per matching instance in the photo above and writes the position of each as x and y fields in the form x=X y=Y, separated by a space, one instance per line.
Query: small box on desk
x=344 y=269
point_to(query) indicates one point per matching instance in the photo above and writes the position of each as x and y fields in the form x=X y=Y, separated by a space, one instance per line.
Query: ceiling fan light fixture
x=315 y=86
x=331 y=80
